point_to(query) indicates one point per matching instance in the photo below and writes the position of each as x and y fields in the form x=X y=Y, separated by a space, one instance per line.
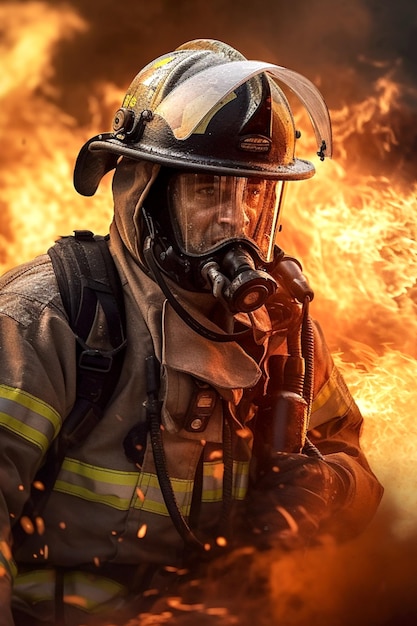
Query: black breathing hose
x=179 y=309
x=307 y=342
x=153 y=409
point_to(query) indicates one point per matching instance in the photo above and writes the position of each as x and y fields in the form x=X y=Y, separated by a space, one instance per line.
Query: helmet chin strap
x=178 y=308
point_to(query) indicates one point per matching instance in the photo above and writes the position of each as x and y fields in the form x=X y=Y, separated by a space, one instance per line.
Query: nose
x=223 y=219
x=225 y=212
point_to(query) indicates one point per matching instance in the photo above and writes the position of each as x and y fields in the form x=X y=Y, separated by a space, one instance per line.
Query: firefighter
x=229 y=424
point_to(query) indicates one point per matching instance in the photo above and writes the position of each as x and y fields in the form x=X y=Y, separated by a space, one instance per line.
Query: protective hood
x=131 y=183
x=178 y=347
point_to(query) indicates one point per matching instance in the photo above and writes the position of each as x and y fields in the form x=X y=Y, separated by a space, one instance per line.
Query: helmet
x=205 y=107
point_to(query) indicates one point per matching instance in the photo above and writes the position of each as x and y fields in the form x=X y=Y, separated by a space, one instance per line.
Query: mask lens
x=209 y=210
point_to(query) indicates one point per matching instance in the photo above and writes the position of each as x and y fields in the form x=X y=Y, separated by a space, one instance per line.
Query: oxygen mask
x=225 y=227
x=237 y=283
x=218 y=237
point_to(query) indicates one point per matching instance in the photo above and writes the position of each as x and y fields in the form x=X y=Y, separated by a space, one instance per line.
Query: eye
x=205 y=191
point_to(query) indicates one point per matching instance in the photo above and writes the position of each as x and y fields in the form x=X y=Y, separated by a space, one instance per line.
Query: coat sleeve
x=37 y=388
x=335 y=429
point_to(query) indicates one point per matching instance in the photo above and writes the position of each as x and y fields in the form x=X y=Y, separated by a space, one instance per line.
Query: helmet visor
x=186 y=106
x=209 y=210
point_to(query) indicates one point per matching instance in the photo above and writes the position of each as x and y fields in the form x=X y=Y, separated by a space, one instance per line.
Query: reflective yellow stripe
x=81 y=589
x=28 y=417
x=153 y=501
x=90 y=592
x=123 y=490
x=331 y=399
x=213 y=480
x=97 y=484
x=35 y=586
x=119 y=490
x=325 y=392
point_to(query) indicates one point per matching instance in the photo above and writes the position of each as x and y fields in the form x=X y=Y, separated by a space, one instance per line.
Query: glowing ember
x=40 y=525
x=39 y=485
x=140 y=494
x=142 y=531
x=27 y=525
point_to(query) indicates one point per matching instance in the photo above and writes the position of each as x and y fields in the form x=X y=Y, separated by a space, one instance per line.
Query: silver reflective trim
x=82 y=590
x=213 y=481
x=28 y=416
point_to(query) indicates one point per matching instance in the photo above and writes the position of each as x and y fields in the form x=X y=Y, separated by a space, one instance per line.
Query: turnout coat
x=106 y=520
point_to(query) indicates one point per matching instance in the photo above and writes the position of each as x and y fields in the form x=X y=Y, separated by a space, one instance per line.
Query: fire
x=353 y=230
x=353 y=226
x=356 y=235
x=39 y=141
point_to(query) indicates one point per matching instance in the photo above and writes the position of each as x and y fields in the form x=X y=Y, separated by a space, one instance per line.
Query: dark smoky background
x=345 y=44
x=345 y=47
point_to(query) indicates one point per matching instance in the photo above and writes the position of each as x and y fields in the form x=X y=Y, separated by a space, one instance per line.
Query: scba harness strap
x=88 y=281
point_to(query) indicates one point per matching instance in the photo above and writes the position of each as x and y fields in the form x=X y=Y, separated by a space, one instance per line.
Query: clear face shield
x=211 y=210
x=226 y=225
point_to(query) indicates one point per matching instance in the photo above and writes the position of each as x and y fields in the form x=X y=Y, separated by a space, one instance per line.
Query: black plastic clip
x=322 y=150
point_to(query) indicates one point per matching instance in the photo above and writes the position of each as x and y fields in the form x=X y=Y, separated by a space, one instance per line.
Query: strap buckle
x=96 y=361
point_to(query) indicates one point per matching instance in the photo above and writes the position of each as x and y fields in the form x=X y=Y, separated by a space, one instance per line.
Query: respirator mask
x=226 y=226
x=220 y=236
x=216 y=234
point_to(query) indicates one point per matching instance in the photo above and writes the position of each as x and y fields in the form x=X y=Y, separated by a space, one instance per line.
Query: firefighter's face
x=210 y=210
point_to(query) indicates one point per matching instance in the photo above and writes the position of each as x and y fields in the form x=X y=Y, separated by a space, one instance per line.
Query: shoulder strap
x=86 y=273
x=86 y=277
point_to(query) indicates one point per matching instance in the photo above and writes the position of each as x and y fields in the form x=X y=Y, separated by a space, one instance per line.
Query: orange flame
x=356 y=235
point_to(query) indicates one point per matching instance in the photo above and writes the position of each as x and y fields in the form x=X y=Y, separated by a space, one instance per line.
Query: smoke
x=367 y=582
x=362 y=37
x=319 y=38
